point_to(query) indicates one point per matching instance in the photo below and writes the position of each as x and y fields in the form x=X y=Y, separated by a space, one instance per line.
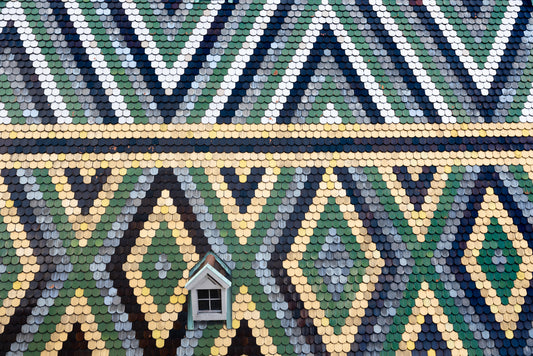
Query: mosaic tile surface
x=364 y=168
x=282 y=61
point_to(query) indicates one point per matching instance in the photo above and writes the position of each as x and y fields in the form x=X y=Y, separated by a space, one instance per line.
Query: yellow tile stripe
x=78 y=311
x=244 y=308
x=213 y=131
x=85 y=225
x=242 y=223
x=427 y=304
x=23 y=251
x=419 y=221
x=123 y=161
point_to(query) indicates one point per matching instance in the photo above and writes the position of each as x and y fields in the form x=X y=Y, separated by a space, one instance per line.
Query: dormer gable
x=209 y=291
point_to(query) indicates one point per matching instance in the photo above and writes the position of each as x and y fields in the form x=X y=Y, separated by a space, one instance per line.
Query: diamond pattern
x=361 y=278
x=161 y=296
x=351 y=257
x=499 y=260
x=505 y=284
x=335 y=280
x=333 y=264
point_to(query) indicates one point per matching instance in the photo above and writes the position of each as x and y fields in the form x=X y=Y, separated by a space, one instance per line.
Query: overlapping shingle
x=363 y=168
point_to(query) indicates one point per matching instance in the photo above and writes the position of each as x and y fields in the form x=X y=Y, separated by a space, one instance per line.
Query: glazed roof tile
x=363 y=168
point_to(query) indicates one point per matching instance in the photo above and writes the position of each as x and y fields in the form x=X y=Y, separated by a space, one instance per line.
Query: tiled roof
x=364 y=168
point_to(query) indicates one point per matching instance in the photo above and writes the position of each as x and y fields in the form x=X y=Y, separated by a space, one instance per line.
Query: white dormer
x=209 y=291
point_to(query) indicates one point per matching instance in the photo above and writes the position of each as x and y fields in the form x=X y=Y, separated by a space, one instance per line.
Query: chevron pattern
x=249 y=62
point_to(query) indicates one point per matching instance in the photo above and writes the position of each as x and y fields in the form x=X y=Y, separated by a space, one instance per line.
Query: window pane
x=203 y=293
x=203 y=305
x=216 y=304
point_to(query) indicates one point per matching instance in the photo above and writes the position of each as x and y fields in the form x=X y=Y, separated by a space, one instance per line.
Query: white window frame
x=208 y=278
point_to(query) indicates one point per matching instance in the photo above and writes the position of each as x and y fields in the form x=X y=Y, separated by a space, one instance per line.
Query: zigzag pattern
x=317 y=270
x=312 y=61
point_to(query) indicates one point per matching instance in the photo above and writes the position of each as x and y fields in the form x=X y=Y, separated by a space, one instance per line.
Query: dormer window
x=209 y=291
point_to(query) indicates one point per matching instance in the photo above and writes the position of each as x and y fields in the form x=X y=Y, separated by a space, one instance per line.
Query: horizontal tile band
x=408 y=144
x=291 y=131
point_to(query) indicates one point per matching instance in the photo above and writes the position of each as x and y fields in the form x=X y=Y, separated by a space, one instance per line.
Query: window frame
x=213 y=297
